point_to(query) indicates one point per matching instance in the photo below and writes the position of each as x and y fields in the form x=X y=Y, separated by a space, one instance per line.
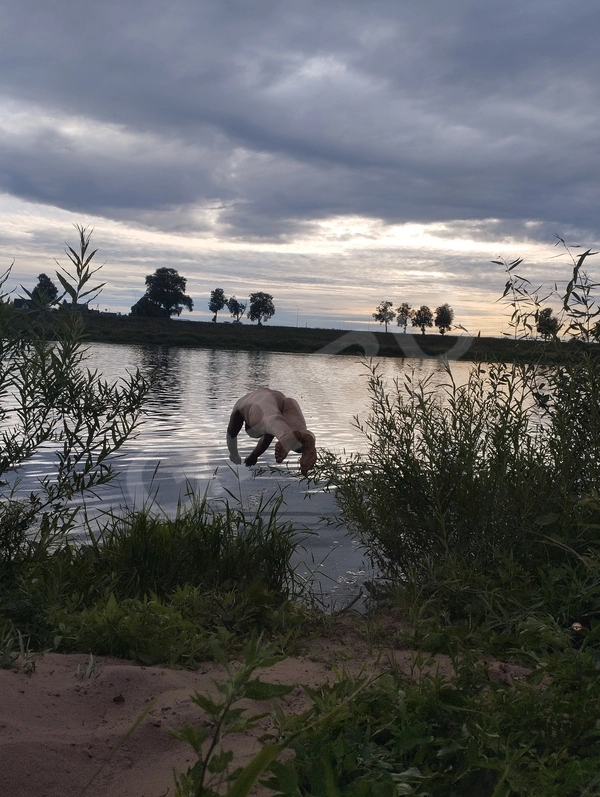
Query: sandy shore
x=61 y=733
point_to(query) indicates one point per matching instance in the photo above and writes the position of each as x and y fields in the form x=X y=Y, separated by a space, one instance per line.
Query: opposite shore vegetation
x=483 y=521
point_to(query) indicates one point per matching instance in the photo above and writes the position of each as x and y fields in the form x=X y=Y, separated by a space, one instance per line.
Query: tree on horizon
x=45 y=292
x=444 y=316
x=548 y=324
x=261 y=307
x=423 y=318
x=166 y=288
x=236 y=308
x=217 y=302
x=384 y=314
x=403 y=314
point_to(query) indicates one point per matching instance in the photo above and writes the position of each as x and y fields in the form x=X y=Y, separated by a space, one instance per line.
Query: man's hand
x=262 y=445
x=233 y=449
x=233 y=429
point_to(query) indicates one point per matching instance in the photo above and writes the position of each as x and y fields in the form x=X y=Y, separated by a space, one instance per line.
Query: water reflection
x=217 y=370
x=161 y=365
x=258 y=369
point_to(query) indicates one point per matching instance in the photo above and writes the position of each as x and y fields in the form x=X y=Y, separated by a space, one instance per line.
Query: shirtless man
x=267 y=414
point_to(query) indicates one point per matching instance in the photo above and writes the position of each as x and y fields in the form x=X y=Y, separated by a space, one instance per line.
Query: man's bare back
x=267 y=414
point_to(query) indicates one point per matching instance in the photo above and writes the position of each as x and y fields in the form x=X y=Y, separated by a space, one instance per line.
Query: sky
x=334 y=153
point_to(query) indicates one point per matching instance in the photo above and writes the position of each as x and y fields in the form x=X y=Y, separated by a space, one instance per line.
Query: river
x=181 y=442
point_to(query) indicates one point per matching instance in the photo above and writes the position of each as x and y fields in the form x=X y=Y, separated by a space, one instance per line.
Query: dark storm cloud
x=275 y=115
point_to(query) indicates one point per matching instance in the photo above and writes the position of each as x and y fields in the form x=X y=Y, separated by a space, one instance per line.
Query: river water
x=181 y=443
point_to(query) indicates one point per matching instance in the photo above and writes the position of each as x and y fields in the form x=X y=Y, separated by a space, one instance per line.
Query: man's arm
x=262 y=445
x=236 y=421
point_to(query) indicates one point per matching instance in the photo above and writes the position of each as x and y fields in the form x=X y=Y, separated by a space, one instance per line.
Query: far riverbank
x=109 y=328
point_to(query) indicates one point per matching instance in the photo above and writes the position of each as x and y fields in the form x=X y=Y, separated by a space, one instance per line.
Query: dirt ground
x=62 y=729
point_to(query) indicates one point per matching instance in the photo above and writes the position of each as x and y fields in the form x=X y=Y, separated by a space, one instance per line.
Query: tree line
x=422 y=318
x=165 y=296
x=547 y=325
x=261 y=306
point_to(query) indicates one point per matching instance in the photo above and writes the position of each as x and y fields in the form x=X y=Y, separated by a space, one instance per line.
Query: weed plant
x=49 y=398
x=225 y=716
x=433 y=736
x=423 y=734
x=479 y=504
x=438 y=469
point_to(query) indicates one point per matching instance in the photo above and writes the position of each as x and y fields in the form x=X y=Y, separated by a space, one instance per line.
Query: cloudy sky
x=334 y=153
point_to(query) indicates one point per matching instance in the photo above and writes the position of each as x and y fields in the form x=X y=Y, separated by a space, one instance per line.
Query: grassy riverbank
x=484 y=523
x=486 y=526
x=251 y=337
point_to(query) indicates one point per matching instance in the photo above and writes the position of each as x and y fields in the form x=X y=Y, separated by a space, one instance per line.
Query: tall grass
x=484 y=484
x=480 y=480
x=458 y=471
x=207 y=545
x=432 y=736
x=151 y=587
x=48 y=396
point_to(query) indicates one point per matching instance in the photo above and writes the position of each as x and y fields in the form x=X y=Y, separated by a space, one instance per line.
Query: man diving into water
x=267 y=414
